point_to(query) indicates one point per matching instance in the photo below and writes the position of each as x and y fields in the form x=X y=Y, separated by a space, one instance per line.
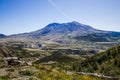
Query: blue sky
x=18 y=16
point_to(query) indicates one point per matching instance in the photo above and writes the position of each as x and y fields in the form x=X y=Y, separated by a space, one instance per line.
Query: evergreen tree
x=96 y=66
x=90 y=68
x=115 y=62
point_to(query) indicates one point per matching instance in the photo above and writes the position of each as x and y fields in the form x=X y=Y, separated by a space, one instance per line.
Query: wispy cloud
x=52 y=3
x=58 y=9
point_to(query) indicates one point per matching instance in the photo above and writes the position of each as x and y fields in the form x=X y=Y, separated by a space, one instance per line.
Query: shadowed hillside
x=2 y=36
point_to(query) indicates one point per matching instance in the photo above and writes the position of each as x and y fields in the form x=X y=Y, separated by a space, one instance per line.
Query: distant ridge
x=2 y=35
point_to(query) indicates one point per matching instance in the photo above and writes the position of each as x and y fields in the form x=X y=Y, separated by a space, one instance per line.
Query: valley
x=61 y=51
x=48 y=64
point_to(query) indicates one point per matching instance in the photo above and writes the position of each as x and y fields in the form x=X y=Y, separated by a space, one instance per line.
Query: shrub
x=10 y=70
x=25 y=72
x=5 y=77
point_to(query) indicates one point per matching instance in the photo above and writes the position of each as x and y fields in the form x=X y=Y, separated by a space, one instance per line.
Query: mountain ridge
x=66 y=27
x=2 y=35
x=63 y=32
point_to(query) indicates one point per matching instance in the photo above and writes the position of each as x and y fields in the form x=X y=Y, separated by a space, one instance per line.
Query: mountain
x=70 y=32
x=65 y=29
x=61 y=33
x=2 y=36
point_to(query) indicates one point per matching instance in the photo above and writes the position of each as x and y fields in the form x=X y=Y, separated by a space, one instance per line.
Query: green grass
x=5 y=77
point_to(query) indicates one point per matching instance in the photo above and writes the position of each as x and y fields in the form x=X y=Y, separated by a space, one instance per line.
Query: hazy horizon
x=19 y=16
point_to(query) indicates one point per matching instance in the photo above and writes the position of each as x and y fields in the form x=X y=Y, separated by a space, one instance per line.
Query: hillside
x=39 y=71
x=17 y=51
x=107 y=62
x=6 y=52
x=65 y=62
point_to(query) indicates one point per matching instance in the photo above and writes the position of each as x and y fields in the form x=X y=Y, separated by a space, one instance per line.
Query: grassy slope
x=42 y=72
